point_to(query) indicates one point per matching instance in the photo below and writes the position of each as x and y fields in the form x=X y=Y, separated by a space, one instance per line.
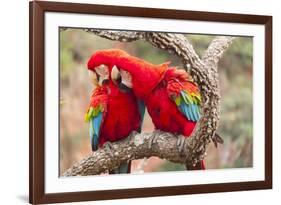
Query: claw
x=217 y=139
x=133 y=134
x=180 y=144
x=152 y=140
x=108 y=147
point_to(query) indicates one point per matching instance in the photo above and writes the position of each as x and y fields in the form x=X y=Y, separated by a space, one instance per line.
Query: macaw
x=171 y=98
x=113 y=113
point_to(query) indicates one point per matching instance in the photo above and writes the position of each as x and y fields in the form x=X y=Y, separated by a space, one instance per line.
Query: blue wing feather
x=91 y=132
x=188 y=108
x=196 y=111
x=95 y=125
x=184 y=109
x=186 y=96
x=191 y=109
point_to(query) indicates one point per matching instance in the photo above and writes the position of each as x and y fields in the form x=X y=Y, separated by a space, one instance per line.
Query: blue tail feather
x=95 y=125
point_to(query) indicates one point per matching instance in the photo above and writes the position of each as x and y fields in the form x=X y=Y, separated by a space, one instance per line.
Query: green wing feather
x=95 y=114
x=189 y=105
x=187 y=98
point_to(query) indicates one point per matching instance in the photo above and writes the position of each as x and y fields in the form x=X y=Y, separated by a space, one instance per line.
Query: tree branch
x=204 y=73
x=216 y=49
x=136 y=146
x=124 y=36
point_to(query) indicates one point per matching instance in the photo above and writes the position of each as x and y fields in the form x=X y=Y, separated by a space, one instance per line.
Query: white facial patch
x=126 y=78
x=103 y=72
x=93 y=77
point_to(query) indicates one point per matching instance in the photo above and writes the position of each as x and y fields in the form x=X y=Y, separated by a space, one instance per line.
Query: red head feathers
x=101 y=63
x=144 y=76
x=109 y=56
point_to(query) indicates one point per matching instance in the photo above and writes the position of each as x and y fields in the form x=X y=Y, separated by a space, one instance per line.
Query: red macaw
x=113 y=113
x=171 y=98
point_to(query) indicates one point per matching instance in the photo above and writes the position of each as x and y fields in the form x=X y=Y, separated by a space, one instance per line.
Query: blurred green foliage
x=235 y=72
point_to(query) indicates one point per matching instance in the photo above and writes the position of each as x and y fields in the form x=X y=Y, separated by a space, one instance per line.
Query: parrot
x=171 y=97
x=113 y=113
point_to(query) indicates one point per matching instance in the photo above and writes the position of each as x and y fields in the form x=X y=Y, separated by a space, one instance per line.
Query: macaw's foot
x=108 y=147
x=152 y=139
x=133 y=134
x=180 y=144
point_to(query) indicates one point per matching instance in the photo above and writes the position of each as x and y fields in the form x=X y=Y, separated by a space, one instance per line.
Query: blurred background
x=235 y=72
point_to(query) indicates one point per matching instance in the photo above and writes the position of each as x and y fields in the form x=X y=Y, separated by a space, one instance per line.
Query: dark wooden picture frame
x=37 y=11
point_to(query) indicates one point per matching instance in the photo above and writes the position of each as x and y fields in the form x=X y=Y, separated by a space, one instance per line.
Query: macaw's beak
x=117 y=79
x=102 y=81
x=115 y=75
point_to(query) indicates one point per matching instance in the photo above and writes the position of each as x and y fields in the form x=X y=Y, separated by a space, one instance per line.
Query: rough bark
x=204 y=72
x=136 y=146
